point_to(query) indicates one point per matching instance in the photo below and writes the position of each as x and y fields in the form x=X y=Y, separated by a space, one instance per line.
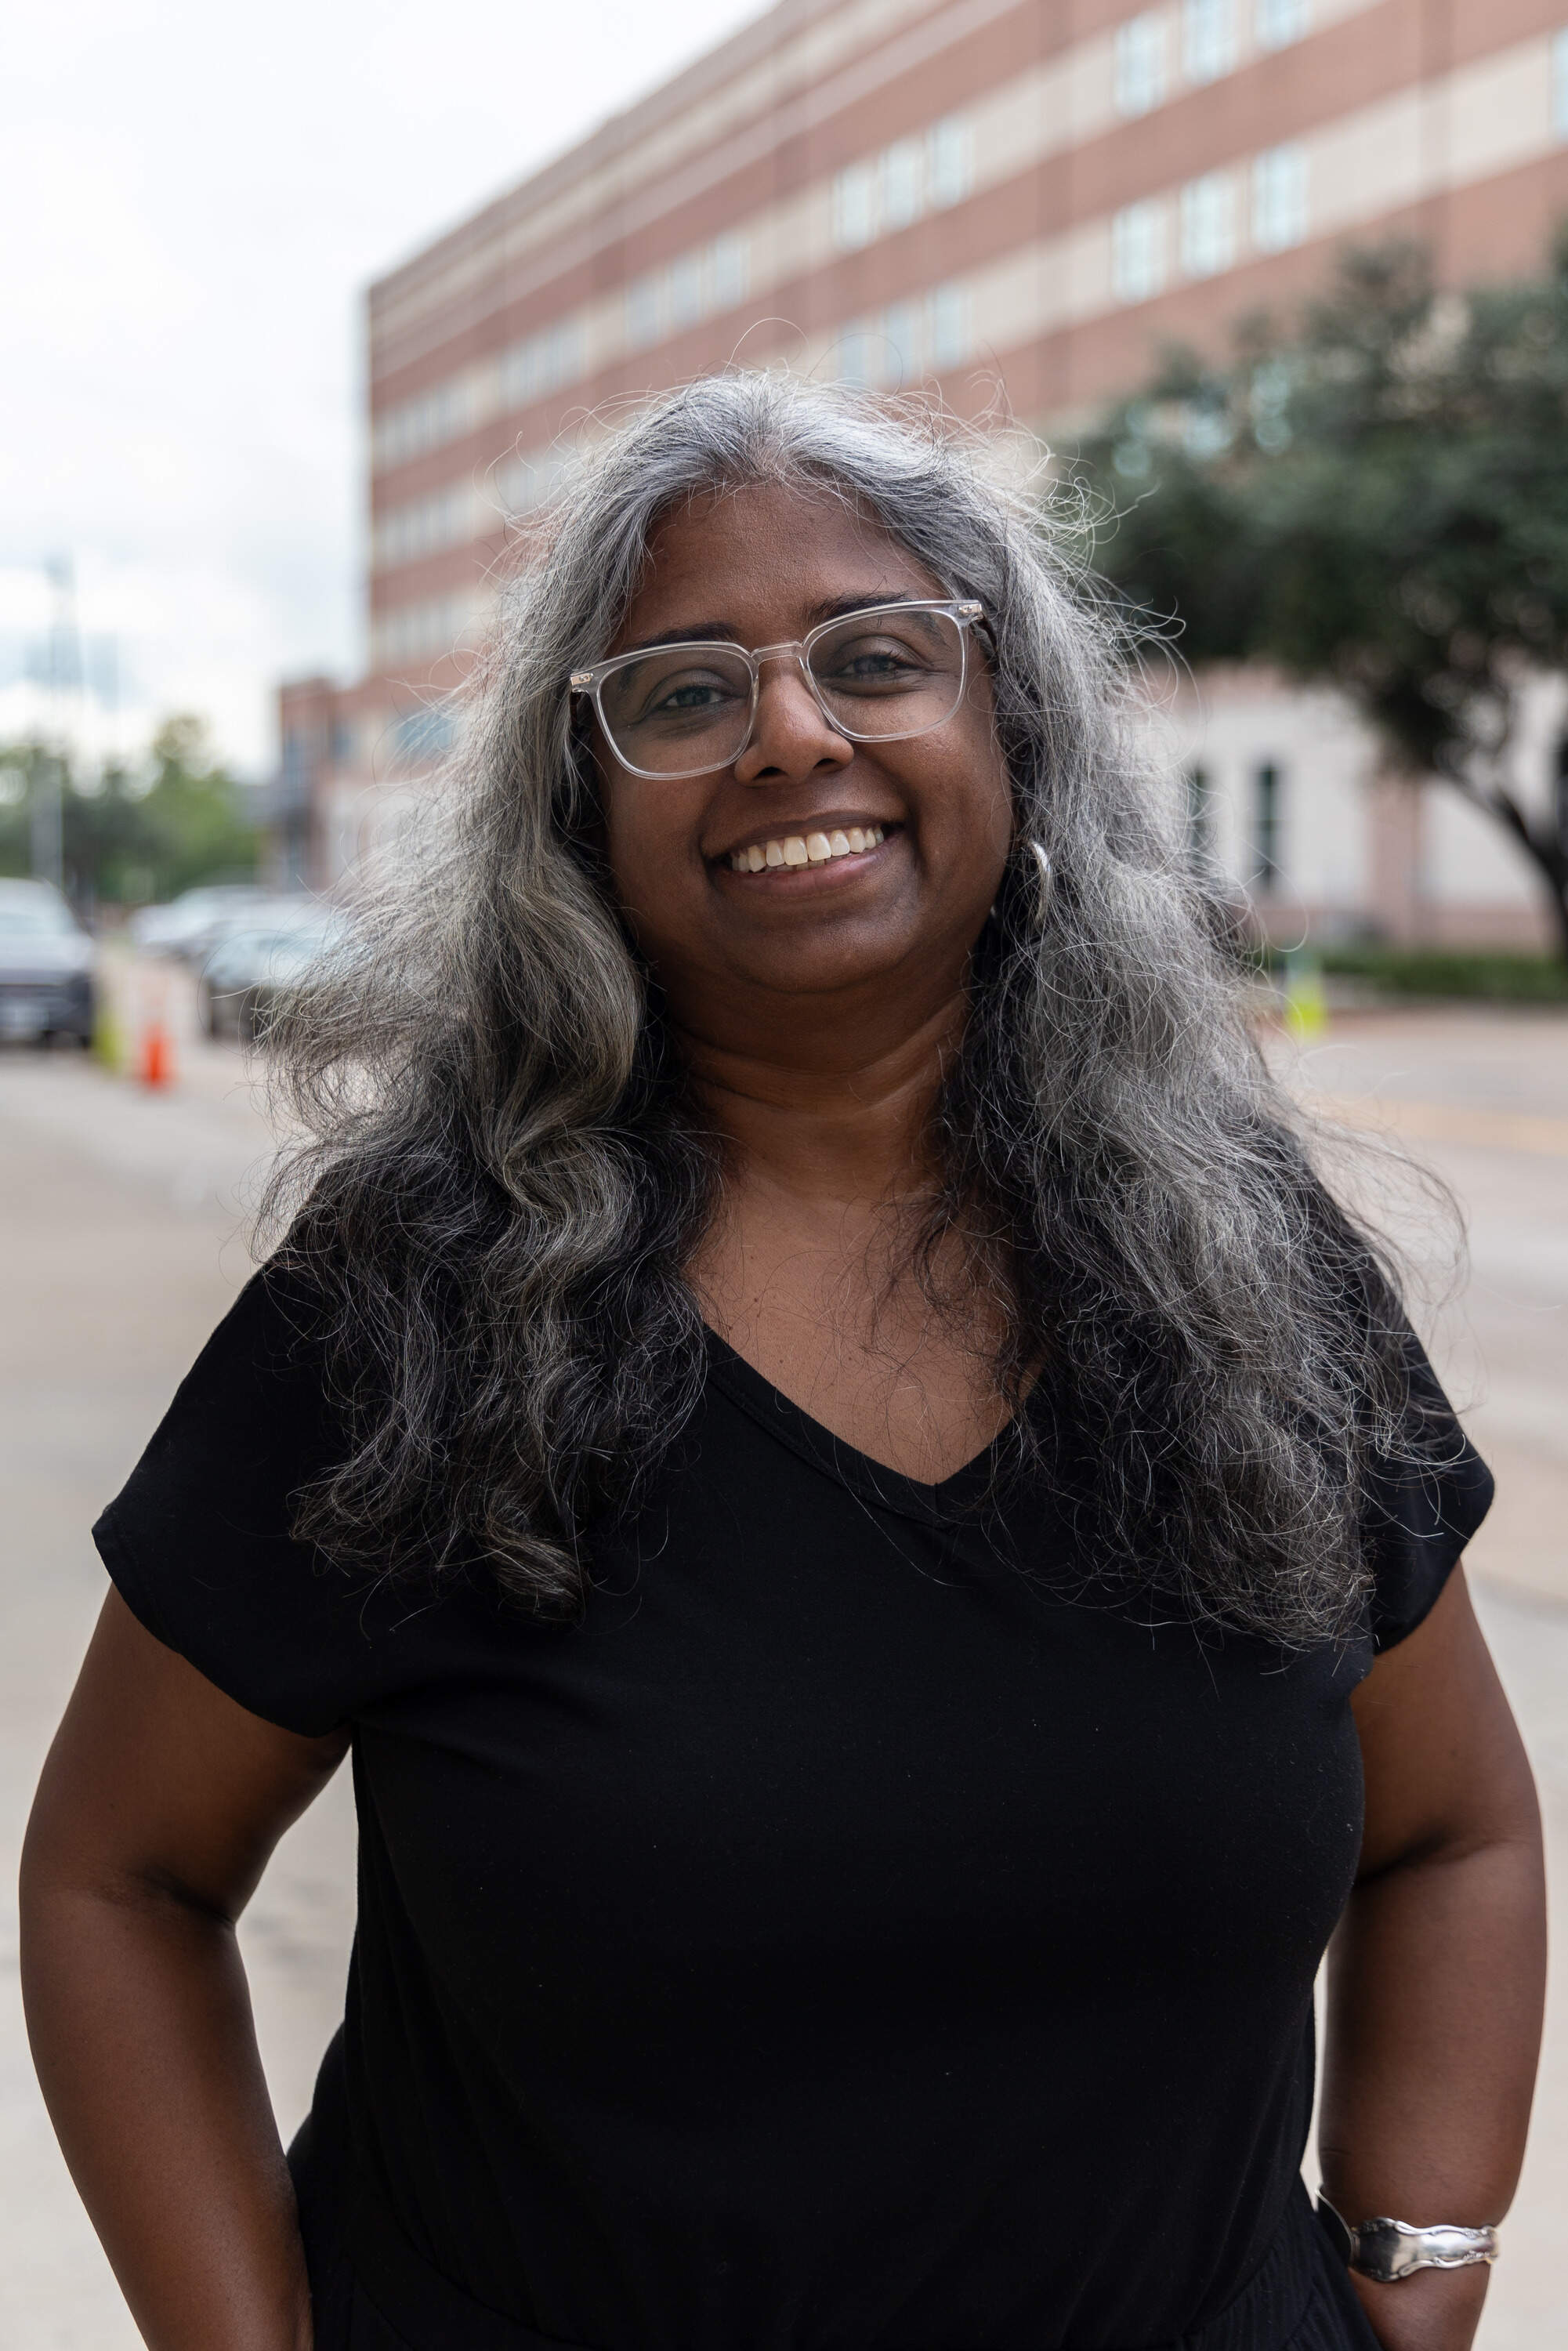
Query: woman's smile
x=785 y=854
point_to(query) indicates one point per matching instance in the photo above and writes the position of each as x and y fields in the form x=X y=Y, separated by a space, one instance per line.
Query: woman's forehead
x=758 y=561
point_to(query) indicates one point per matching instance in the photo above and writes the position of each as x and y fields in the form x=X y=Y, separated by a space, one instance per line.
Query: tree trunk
x=1543 y=843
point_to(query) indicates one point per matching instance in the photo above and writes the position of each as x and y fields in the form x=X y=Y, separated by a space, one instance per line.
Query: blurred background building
x=1019 y=204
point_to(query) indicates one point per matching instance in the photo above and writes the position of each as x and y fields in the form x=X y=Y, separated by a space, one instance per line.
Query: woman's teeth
x=807 y=848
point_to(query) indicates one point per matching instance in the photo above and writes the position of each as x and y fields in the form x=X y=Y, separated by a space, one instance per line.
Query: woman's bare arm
x=158 y=1808
x=1438 y=1971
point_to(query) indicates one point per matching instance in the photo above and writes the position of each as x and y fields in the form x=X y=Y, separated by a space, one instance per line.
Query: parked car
x=46 y=967
x=189 y=925
x=260 y=958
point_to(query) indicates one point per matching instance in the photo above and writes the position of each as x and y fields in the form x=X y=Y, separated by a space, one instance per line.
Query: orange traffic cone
x=157 y=1065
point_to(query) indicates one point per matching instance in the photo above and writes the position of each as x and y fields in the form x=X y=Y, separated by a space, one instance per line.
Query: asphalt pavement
x=124 y=1239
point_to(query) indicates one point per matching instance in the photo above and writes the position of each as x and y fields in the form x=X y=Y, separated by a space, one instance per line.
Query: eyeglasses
x=879 y=676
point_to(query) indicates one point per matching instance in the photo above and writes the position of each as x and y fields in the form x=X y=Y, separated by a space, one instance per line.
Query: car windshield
x=38 y=921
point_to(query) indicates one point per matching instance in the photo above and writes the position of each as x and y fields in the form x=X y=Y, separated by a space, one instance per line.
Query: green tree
x=1374 y=499
x=197 y=829
x=129 y=836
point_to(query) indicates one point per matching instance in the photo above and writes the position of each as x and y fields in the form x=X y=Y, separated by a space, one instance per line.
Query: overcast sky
x=193 y=198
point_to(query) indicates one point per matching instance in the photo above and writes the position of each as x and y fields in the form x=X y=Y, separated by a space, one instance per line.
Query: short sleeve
x=1422 y=1504
x=200 y=1542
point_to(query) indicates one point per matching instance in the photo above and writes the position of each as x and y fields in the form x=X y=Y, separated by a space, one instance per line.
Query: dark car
x=46 y=967
x=264 y=954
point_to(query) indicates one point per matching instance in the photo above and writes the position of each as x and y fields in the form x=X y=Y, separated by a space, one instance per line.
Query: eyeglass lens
x=681 y=709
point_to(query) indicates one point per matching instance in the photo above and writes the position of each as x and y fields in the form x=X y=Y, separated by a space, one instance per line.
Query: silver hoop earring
x=1047 y=878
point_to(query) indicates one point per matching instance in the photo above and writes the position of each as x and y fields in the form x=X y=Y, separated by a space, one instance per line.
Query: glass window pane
x=855 y=207
x=687 y=290
x=1280 y=198
x=1140 y=65
x=902 y=329
x=950 y=337
x=1208 y=225
x=1208 y=39
x=862 y=354
x=903 y=183
x=950 y=160
x=1138 y=252
x=644 y=308
x=731 y=271
x=1279 y=22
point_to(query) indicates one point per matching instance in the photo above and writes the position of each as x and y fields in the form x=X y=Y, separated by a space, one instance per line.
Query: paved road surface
x=123 y=1216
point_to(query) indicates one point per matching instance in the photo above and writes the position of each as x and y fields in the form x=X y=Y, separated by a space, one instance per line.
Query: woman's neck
x=828 y=1118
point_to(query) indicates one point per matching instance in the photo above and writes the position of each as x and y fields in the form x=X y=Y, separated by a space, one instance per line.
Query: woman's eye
x=682 y=697
x=869 y=664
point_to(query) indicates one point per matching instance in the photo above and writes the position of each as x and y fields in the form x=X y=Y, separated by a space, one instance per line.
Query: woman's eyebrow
x=704 y=633
x=869 y=599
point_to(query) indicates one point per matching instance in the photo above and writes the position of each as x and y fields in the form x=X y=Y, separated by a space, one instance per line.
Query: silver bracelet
x=1391 y=2249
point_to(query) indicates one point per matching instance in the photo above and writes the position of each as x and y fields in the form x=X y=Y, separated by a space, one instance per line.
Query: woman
x=863 y=1517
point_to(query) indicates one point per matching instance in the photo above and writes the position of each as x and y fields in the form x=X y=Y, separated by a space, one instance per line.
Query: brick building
x=985 y=194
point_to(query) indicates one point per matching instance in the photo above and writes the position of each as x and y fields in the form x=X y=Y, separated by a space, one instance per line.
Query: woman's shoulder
x=201 y=1540
x=264 y=1390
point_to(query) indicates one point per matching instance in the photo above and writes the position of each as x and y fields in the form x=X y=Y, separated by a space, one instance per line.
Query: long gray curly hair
x=503 y=1182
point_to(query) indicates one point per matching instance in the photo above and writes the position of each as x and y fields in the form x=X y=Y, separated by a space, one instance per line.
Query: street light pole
x=48 y=819
x=50 y=777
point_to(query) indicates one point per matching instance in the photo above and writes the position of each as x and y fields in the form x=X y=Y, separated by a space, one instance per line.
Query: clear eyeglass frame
x=964 y=612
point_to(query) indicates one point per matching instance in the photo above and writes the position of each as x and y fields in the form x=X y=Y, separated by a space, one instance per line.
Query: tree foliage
x=133 y=835
x=1375 y=498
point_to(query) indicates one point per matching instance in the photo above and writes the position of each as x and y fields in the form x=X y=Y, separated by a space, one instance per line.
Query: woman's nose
x=792 y=735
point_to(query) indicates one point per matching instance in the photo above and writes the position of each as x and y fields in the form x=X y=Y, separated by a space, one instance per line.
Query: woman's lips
x=785 y=850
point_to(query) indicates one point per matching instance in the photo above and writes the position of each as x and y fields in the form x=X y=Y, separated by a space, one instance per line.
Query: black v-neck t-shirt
x=851 y=1936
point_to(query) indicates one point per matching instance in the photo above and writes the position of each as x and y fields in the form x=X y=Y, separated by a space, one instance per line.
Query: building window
x=903 y=183
x=855 y=207
x=1266 y=841
x=568 y=359
x=524 y=483
x=908 y=340
x=950 y=161
x=863 y=354
x=1559 y=83
x=1277 y=23
x=1140 y=65
x=416 y=425
x=521 y=374
x=406 y=533
x=1280 y=198
x=1208 y=225
x=645 y=312
x=950 y=333
x=1138 y=252
x=912 y=176
x=904 y=336
x=530 y=370
x=731 y=271
x=412 y=632
x=686 y=305
x=1207 y=38
x=714 y=278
